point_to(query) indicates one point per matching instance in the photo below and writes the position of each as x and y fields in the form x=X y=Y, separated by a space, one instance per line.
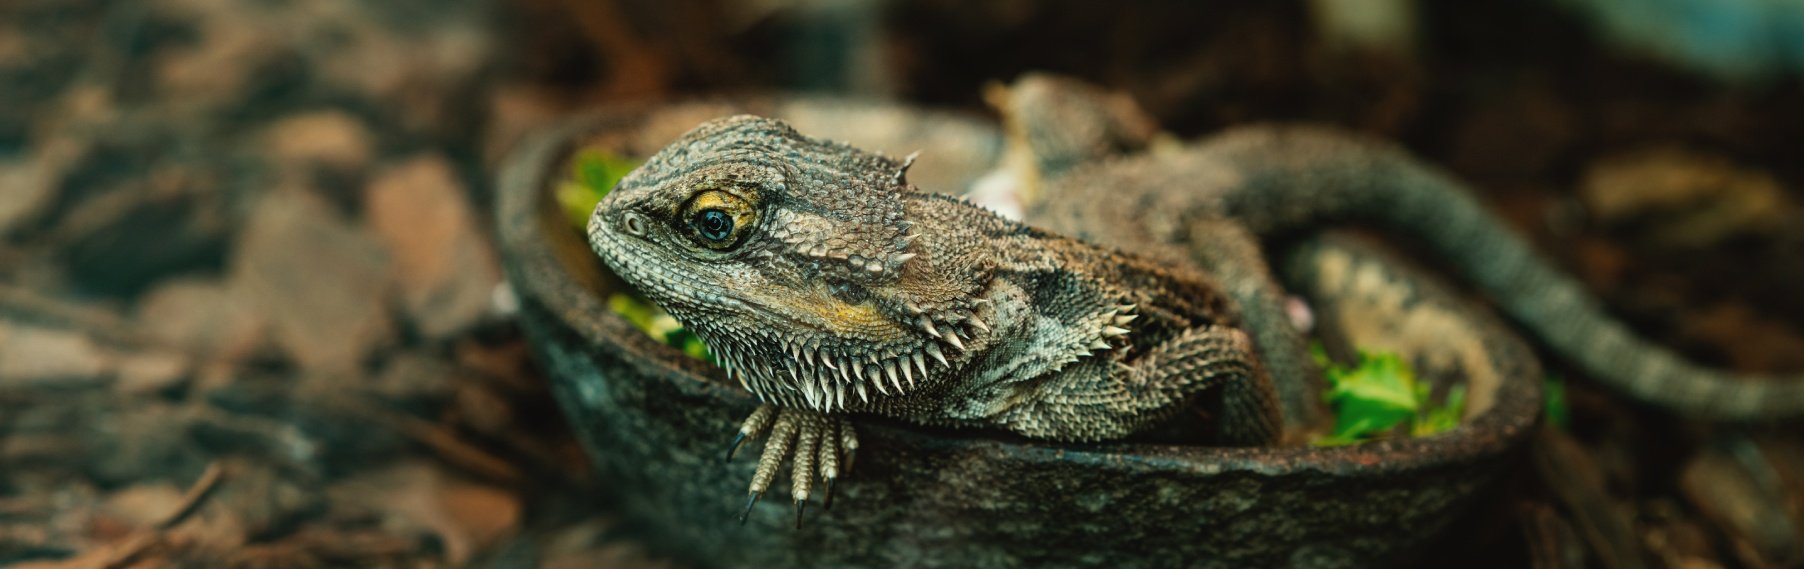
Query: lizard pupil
x=714 y=224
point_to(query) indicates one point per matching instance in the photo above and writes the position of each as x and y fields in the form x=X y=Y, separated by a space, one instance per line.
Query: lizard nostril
x=634 y=224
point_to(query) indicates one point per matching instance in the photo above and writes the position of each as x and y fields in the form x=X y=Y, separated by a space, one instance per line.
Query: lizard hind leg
x=1220 y=358
x=1128 y=399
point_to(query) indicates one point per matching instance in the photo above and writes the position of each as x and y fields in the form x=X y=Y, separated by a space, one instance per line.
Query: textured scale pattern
x=848 y=291
x=844 y=290
x=1272 y=183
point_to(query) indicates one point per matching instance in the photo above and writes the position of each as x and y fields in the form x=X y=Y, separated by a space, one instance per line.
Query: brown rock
x=595 y=542
x=619 y=554
x=331 y=139
x=225 y=57
x=263 y=499
x=319 y=280
x=479 y=516
x=28 y=190
x=31 y=182
x=410 y=377
x=146 y=504
x=412 y=495
x=1733 y=485
x=514 y=110
x=410 y=75
x=483 y=409
x=141 y=442
x=57 y=516
x=35 y=356
x=443 y=263
x=152 y=371
x=1580 y=485
x=412 y=63
x=507 y=363
x=165 y=221
x=1753 y=340
x=204 y=317
x=14 y=50
x=1688 y=198
x=1678 y=539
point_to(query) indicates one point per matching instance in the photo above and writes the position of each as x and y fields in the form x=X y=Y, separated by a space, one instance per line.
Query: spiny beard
x=807 y=374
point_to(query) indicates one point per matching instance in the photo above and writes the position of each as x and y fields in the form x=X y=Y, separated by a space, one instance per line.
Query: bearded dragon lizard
x=829 y=287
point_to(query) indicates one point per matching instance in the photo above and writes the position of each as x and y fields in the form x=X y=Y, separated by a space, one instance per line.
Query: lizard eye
x=713 y=224
x=718 y=219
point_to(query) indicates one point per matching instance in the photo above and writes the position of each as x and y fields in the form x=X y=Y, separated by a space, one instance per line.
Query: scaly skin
x=1120 y=206
x=837 y=289
x=1272 y=183
x=829 y=287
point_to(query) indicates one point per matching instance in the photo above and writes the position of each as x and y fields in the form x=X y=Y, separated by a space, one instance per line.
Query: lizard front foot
x=822 y=445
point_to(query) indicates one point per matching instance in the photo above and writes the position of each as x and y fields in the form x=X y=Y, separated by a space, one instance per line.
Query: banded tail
x=1299 y=178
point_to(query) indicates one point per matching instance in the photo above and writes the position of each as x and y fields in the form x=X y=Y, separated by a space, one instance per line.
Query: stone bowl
x=656 y=422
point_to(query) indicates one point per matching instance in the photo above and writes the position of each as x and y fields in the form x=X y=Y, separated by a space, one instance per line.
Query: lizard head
x=789 y=256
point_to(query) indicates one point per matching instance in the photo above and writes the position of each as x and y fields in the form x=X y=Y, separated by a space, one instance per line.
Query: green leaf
x=577 y=202
x=1379 y=394
x=600 y=170
x=1372 y=397
x=635 y=310
x=1319 y=353
x=593 y=174
x=1356 y=434
x=690 y=344
x=658 y=324
x=1553 y=397
x=1442 y=418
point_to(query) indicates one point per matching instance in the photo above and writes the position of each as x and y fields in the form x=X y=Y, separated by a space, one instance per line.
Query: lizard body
x=828 y=286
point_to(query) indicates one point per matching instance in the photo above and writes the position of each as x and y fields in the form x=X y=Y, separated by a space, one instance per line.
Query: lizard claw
x=737 y=440
x=816 y=444
x=749 y=502
x=752 y=427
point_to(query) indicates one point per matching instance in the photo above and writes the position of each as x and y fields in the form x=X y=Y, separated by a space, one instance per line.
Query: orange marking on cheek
x=862 y=319
x=842 y=316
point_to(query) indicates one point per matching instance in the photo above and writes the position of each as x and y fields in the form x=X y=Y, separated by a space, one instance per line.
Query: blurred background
x=251 y=314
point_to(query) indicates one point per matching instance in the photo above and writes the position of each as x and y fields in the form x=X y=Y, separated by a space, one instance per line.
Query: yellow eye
x=718 y=219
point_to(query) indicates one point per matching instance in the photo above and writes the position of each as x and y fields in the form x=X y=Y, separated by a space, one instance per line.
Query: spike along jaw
x=787 y=256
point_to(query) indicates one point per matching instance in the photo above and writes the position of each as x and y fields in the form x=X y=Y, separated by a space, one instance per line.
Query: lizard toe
x=818 y=447
x=809 y=431
x=753 y=427
x=782 y=437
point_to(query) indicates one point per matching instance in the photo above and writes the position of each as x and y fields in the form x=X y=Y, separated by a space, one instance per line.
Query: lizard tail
x=1296 y=178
